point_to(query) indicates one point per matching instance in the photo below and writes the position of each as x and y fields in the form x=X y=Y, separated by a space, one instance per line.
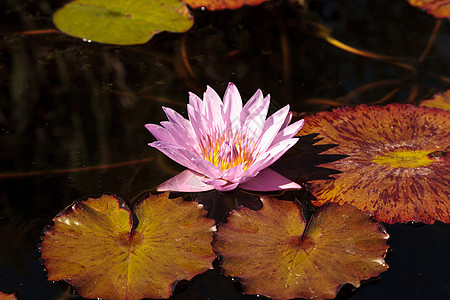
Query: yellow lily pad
x=94 y=246
x=275 y=253
x=440 y=100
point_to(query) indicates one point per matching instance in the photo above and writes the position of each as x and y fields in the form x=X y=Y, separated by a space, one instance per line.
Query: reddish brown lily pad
x=398 y=166
x=275 y=254
x=4 y=296
x=222 y=4
x=440 y=100
x=437 y=8
x=93 y=246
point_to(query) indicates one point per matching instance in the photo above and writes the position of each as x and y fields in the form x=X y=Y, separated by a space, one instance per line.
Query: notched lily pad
x=437 y=8
x=275 y=254
x=398 y=164
x=122 y=22
x=93 y=246
x=222 y=4
x=440 y=100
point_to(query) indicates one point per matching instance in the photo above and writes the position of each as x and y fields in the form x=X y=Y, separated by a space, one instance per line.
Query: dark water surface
x=67 y=106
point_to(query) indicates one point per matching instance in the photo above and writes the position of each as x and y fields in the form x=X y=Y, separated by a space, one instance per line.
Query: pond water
x=72 y=117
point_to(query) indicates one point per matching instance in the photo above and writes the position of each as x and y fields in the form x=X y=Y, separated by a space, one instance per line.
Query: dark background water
x=67 y=106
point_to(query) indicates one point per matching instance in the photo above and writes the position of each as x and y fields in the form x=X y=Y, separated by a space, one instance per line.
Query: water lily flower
x=224 y=145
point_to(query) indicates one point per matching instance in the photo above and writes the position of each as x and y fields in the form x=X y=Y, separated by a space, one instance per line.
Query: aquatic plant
x=224 y=145
x=397 y=167
x=96 y=246
x=276 y=252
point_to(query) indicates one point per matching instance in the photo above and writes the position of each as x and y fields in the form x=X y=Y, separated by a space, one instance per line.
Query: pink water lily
x=224 y=145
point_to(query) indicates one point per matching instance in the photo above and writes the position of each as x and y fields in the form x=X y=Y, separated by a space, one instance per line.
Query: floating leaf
x=122 y=22
x=437 y=8
x=274 y=254
x=93 y=246
x=222 y=4
x=440 y=100
x=4 y=296
x=397 y=169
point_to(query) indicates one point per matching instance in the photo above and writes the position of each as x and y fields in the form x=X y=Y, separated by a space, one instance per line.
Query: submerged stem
x=368 y=54
x=431 y=40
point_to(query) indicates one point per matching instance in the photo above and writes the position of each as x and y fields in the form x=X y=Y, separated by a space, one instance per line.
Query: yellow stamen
x=226 y=152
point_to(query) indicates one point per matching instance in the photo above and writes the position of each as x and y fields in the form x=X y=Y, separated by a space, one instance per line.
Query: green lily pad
x=122 y=22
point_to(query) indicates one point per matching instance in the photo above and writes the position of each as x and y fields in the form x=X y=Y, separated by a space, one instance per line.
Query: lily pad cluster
x=94 y=246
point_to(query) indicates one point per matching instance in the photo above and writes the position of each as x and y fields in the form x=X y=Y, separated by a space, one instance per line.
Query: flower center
x=404 y=159
x=227 y=152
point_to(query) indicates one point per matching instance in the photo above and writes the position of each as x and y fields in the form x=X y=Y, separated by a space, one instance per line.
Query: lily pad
x=222 y=4
x=276 y=254
x=122 y=22
x=4 y=296
x=437 y=8
x=397 y=168
x=440 y=100
x=94 y=246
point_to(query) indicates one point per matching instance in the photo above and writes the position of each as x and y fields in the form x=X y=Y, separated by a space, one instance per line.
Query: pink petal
x=233 y=173
x=186 y=181
x=195 y=102
x=269 y=180
x=271 y=128
x=176 y=118
x=272 y=155
x=188 y=159
x=213 y=105
x=288 y=132
x=198 y=123
x=181 y=137
x=174 y=152
x=226 y=188
x=253 y=115
x=160 y=133
x=252 y=105
x=287 y=121
x=257 y=166
x=221 y=185
x=232 y=106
